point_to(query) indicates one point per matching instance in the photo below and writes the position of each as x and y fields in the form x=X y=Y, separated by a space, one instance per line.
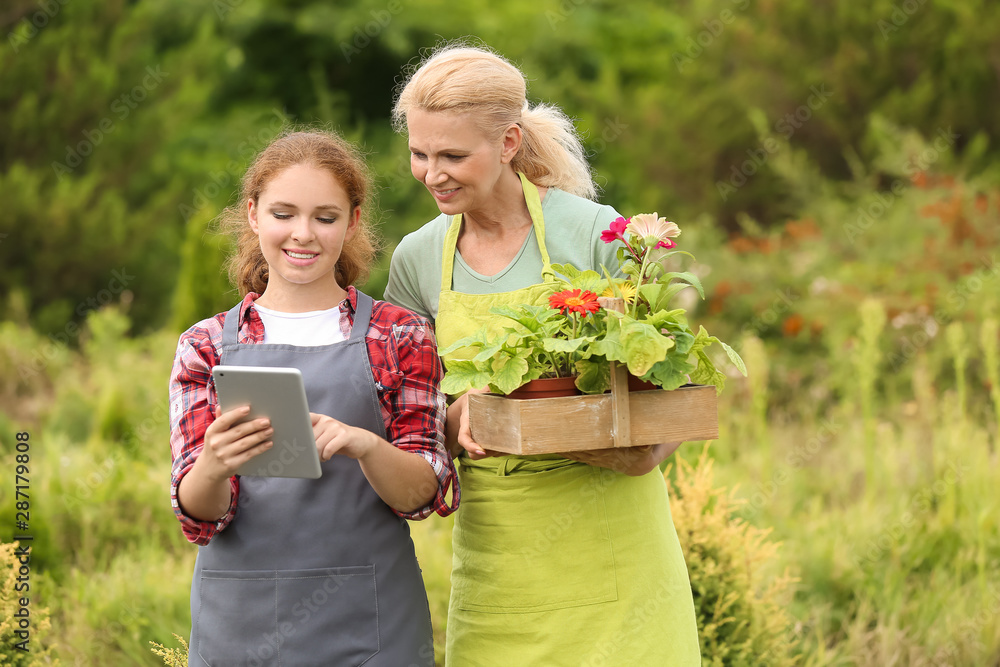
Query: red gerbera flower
x=575 y=301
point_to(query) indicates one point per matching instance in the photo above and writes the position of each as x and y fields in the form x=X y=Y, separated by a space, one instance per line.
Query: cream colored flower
x=653 y=230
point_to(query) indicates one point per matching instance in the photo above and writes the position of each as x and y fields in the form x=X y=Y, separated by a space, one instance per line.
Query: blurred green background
x=834 y=166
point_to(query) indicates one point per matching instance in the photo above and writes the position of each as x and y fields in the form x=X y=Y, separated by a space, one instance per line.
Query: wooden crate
x=595 y=421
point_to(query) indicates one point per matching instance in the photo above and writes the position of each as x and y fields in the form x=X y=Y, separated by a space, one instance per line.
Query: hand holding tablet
x=278 y=394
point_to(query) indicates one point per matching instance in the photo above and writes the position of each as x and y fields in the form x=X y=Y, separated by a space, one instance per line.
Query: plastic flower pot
x=546 y=388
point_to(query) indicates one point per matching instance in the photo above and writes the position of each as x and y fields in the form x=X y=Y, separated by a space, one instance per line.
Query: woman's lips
x=444 y=195
x=300 y=258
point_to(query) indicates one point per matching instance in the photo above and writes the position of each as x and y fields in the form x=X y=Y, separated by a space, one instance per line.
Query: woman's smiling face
x=302 y=219
x=455 y=160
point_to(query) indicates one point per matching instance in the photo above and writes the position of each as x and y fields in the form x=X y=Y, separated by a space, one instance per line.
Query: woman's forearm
x=404 y=480
x=452 y=424
x=203 y=498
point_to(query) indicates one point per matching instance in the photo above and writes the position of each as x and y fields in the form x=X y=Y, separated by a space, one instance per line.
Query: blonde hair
x=463 y=78
x=323 y=150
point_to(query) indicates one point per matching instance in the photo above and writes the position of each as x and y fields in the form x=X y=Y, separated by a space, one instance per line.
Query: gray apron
x=312 y=572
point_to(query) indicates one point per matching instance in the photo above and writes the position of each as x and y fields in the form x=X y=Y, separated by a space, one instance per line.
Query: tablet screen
x=278 y=394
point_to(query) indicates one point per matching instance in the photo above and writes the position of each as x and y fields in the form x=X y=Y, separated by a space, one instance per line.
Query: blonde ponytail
x=551 y=152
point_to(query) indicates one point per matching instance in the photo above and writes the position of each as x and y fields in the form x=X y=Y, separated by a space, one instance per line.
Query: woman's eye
x=328 y=221
x=456 y=158
x=282 y=216
x=419 y=156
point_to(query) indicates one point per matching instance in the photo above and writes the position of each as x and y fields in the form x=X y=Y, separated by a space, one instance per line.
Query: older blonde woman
x=557 y=561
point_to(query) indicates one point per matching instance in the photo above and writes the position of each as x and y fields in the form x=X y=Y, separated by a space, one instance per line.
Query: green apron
x=557 y=562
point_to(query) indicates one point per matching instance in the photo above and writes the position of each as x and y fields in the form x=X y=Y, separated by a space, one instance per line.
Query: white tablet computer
x=279 y=395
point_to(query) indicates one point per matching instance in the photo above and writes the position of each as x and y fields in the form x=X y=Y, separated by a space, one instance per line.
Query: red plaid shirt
x=406 y=369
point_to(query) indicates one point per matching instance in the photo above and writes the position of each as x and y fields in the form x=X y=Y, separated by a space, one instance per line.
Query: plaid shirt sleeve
x=192 y=410
x=408 y=371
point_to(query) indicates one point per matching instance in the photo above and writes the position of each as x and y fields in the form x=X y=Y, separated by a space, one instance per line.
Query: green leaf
x=593 y=376
x=610 y=346
x=702 y=340
x=654 y=270
x=531 y=318
x=670 y=319
x=644 y=346
x=463 y=375
x=670 y=373
x=489 y=351
x=689 y=277
x=585 y=280
x=735 y=358
x=567 y=270
x=682 y=342
x=476 y=340
x=563 y=345
x=632 y=271
x=668 y=294
x=508 y=373
x=707 y=373
x=651 y=293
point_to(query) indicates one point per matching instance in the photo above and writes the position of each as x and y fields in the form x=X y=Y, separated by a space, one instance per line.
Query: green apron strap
x=450 y=243
x=534 y=203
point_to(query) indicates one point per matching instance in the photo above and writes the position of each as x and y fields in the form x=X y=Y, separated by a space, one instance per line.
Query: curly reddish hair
x=324 y=150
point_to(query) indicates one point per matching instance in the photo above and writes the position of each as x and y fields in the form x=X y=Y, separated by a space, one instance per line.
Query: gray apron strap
x=362 y=316
x=231 y=326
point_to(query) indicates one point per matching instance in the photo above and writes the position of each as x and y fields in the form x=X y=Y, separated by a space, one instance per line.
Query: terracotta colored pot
x=546 y=388
x=638 y=384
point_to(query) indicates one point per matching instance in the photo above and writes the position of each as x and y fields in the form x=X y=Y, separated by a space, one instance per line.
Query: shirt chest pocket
x=386 y=380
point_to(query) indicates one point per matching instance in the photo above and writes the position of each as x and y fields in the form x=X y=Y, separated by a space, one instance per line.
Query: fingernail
x=480 y=452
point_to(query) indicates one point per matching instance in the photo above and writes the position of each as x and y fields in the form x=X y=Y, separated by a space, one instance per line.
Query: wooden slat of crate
x=576 y=423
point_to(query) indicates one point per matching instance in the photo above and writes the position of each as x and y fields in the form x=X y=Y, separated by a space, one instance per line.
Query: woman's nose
x=434 y=174
x=302 y=229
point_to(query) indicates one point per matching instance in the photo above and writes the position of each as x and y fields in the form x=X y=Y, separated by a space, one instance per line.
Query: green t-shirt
x=573 y=227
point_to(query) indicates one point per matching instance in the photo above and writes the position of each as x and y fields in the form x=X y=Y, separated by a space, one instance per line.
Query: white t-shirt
x=316 y=327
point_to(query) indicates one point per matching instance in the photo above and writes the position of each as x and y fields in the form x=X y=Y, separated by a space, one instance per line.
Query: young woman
x=300 y=571
x=557 y=561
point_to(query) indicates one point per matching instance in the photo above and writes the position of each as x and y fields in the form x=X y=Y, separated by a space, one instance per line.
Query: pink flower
x=616 y=231
x=654 y=231
x=668 y=243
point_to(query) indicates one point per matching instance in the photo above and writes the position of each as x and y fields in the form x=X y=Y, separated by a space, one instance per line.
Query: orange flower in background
x=742 y=245
x=792 y=325
x=575 y=301
x=802 y=229
x=982 y=203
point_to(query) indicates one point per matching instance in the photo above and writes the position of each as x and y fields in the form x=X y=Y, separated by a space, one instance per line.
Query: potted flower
x=573 y=336
x=593 y=328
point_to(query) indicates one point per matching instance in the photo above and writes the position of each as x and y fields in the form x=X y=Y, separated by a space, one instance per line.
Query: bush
x=172 y=657
x=37 y=652
x=740 y=602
